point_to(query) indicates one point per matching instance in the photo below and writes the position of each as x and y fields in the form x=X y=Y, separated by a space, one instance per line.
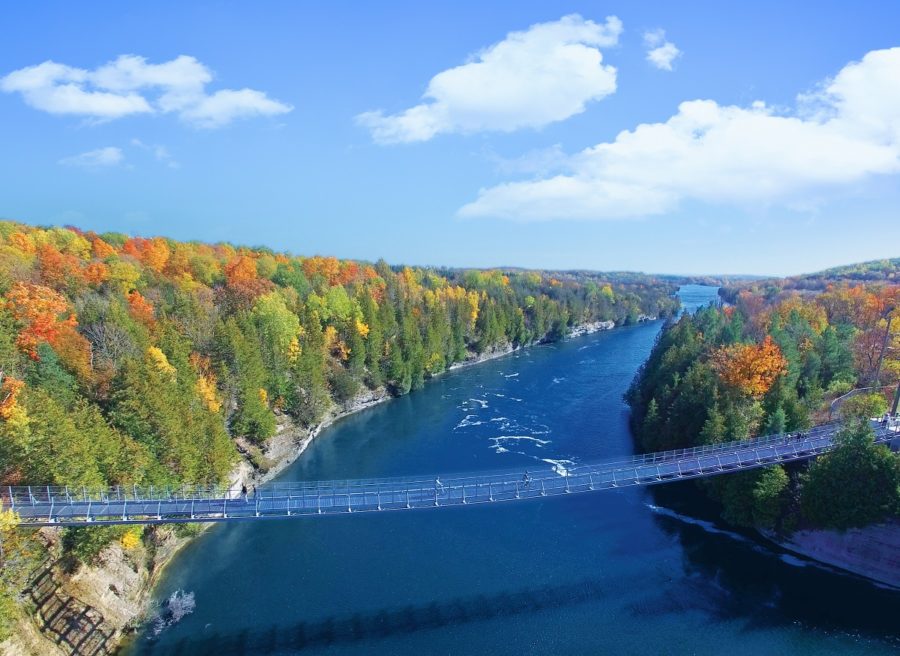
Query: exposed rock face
x=872 y=552
x=88 y=611
x=588 y=328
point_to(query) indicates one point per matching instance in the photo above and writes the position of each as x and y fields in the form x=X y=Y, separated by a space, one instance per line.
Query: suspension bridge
x=37 y=506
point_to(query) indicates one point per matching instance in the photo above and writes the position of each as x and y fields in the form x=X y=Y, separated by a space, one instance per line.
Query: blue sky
x=270 y=134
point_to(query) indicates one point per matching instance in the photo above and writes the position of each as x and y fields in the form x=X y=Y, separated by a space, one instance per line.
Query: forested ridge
x=140 y=360
x=875 y=272
x=772 y=361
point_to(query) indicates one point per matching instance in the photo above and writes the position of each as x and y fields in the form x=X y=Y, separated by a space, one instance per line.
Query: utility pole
x=884 y=343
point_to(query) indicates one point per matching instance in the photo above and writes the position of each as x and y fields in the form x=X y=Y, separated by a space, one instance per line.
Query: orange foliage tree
x=750 y=369
x=101 y=249
x=140 y=308
x=96 y=273
x=327 y=267
x=57 y=269
x=40 y=310
x=243 y=281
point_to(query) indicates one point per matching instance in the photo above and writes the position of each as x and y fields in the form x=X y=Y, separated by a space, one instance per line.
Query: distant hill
x=874 y=272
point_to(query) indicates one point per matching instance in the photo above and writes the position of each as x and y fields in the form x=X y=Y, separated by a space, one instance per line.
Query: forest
x=131 y=360
x=773 y=362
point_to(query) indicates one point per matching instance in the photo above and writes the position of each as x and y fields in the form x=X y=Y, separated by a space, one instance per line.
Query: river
x=633 y=571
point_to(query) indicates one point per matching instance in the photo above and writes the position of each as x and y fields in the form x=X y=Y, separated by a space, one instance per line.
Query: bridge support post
x=896 y=400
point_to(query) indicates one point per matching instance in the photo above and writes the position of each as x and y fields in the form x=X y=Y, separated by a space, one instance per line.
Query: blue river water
x=634 y=571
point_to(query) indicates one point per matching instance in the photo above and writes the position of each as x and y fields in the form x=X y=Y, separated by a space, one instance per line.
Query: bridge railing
x=812 y=441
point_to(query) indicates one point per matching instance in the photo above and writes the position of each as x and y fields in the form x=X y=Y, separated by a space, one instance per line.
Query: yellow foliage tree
x=206 y=390
x=10 y=410
x=472 y=299
x=131 y=538
x=294 y=350
x=9 y=520
x=159 y=360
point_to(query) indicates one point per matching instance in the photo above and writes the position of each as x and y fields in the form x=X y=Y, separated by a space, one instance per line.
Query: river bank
x=872 y=552
x=119 y=587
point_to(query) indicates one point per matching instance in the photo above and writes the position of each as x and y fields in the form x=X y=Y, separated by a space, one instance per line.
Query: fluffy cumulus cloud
x=101 y=157
x=530 y=79
x=130 y=85
x=660 y=51
x=845 y=132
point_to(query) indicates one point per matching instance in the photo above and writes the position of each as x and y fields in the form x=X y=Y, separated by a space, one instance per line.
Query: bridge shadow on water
x=359 y=627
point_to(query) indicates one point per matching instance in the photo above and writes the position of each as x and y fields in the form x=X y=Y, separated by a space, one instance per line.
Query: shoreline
x=93 y=584
x=871 y=553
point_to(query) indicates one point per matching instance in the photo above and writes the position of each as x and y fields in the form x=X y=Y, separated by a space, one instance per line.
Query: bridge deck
x=64 y=506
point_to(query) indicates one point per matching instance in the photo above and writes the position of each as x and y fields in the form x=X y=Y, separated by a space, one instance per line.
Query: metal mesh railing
x=56 y=505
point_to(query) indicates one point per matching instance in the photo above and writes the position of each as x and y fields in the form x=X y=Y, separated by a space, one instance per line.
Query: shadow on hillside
x=74 y=626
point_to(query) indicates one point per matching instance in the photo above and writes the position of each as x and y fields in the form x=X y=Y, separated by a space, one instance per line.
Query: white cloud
x=129 y=85
x=101 y=157
x=530 y=79
x=845 y=132
x=663 y=56
x=160 y=153
x=660 y=52
x=222 y=107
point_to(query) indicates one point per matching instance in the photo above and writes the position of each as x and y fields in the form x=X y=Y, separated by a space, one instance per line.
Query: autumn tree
x=42 y=312
x=750 y=369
